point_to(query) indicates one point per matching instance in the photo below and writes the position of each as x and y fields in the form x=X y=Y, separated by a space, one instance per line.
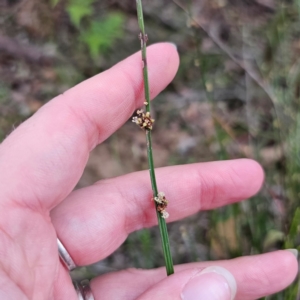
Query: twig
x=242 y=62
x=145 y=121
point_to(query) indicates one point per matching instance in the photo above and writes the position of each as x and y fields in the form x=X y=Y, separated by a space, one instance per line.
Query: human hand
x=43 y=159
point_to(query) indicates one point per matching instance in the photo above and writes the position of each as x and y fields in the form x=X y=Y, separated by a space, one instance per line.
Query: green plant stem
x=161 y=221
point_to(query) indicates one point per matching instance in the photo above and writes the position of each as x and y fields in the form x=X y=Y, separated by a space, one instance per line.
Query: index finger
x=44 y=158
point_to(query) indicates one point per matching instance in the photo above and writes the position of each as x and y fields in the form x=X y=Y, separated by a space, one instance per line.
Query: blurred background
x=236 y=95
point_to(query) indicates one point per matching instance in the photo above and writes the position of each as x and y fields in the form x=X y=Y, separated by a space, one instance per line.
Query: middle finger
x=94 y=221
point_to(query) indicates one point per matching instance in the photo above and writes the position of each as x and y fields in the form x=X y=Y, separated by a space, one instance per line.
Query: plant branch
x=161 y=220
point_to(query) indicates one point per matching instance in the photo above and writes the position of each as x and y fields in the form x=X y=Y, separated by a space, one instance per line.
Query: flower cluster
x=161 y=204
x=143 y=120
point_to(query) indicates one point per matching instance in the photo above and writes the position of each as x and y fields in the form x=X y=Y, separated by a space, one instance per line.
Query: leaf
x=103 y=33
x=77 y=10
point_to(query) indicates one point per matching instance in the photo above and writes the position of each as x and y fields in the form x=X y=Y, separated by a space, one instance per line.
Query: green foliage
x=102 y=34
x=97 y=34
x=78 y=9
x=294 y=230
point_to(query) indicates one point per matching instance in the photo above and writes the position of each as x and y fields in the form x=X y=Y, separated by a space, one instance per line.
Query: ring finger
x=256 y=276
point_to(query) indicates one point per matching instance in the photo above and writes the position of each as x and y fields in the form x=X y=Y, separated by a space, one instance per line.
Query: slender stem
x=161 y=221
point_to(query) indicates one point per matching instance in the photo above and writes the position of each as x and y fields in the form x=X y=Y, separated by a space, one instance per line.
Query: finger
x=213 y=283
x=94 y=221
x=44 y=158
x=256 y=276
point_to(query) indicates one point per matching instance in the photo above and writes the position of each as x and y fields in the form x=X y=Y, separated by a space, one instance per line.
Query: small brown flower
x=143 y=120
x=161 y=204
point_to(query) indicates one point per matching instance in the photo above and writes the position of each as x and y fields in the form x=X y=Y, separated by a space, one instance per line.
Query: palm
x=42 y=161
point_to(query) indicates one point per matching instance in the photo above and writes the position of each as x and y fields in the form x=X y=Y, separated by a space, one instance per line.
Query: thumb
x=214 y=283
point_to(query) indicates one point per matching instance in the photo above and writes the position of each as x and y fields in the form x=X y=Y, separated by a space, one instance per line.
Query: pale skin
x=43 y=159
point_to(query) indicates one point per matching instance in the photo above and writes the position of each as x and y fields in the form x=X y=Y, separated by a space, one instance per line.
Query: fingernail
x=174 y=45
x=213 y=283
x=294 y=251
